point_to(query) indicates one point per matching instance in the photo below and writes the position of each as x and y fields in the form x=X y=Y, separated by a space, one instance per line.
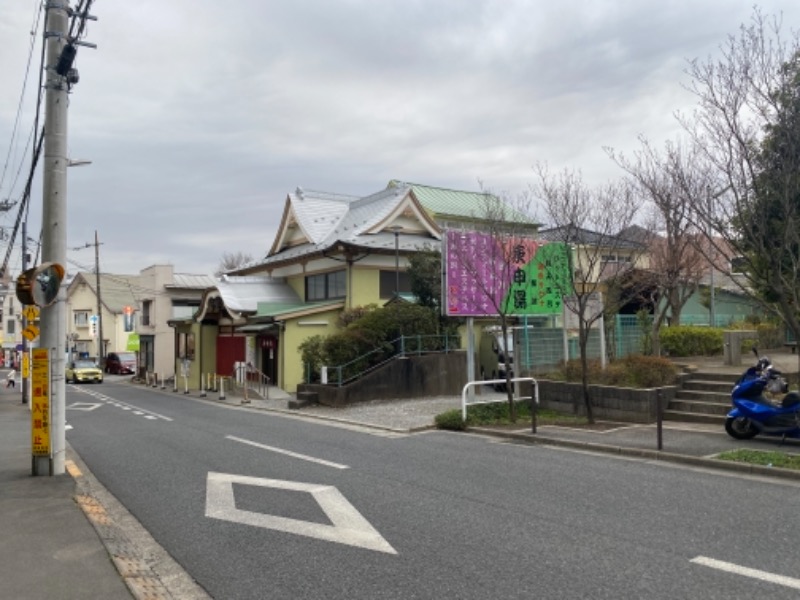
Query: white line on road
x=319 y=461
x=747 y=572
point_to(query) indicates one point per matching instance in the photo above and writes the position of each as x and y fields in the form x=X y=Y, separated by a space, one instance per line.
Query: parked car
x=83 y=371
x=121 y=363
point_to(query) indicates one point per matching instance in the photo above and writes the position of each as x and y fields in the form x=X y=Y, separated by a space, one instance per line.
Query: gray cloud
x=200 y=117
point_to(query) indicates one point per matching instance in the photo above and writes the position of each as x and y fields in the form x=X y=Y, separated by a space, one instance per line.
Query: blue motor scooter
x=761 y=404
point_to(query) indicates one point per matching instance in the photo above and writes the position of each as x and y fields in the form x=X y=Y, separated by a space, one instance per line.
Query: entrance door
x=230 y=350
x=269 y=358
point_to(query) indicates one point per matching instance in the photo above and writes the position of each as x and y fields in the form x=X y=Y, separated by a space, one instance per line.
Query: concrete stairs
x=705 y=397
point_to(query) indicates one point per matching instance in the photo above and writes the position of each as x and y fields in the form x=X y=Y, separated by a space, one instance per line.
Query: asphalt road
x=260 y=505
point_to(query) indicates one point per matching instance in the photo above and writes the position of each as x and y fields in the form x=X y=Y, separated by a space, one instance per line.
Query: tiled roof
x=188 y=281
x=443 y=202
x=243 y=294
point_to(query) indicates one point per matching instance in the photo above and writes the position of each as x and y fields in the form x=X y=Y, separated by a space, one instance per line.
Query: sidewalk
x=48 y=548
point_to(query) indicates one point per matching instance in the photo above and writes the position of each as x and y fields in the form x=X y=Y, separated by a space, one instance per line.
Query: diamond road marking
x=83 y=406
x=349 y=527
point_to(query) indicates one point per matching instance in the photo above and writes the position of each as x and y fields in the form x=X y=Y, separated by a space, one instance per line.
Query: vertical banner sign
x=40 y=403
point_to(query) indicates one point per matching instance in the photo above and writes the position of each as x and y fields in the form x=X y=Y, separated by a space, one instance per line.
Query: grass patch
x=497 y=414
x=781 y=460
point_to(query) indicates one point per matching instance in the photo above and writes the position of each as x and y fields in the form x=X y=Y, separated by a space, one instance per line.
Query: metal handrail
x=247 y=377
x=405 y=345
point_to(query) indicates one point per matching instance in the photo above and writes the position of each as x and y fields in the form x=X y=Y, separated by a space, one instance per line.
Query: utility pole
x=25 y=358
x=100 y=345
x=60 y=52
x=54 y=231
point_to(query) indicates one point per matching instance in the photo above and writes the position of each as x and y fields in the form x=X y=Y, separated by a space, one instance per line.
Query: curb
x=642 y=453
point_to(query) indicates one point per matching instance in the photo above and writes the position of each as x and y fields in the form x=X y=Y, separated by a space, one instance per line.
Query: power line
x=34 y=31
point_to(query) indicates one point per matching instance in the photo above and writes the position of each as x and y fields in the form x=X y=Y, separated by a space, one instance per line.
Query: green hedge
x=690 y=340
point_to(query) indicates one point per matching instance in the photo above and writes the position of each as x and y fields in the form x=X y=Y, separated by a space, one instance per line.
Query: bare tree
x=671 y=182
x=590 y=220
x=231 y=261
x=748 y=125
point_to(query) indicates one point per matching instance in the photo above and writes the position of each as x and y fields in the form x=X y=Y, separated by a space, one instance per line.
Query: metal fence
x=406 y=345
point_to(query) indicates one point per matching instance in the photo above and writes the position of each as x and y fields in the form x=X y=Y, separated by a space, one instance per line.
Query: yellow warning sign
x=30 y=333
x=40 y=403
x=31 y=312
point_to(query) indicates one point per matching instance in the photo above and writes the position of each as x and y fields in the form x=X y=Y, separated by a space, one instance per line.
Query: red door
x=230 y=350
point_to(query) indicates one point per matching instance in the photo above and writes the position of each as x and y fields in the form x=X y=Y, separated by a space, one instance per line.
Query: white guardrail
x=492 y=382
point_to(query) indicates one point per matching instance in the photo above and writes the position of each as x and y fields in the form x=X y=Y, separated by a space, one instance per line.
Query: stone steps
x=703 y=398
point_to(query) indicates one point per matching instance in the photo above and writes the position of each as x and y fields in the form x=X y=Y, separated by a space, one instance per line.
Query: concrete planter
x=608 y=403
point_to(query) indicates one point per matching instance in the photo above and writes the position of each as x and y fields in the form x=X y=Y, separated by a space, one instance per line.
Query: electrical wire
x=34 y=31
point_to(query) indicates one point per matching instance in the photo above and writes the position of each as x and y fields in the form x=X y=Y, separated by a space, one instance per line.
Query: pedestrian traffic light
x=40 y=285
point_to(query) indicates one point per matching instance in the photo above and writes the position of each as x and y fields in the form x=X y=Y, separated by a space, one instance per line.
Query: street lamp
x=396 y=229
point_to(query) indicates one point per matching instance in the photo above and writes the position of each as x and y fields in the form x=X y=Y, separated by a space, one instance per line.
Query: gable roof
x=445 y=203
x=315 y=222
x=116 y=291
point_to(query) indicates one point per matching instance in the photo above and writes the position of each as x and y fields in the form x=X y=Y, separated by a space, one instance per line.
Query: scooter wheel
x=740 y=428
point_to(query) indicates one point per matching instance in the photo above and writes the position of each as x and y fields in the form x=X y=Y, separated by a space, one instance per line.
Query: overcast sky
x=200 y=117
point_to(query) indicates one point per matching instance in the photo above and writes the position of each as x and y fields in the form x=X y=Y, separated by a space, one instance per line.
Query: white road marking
x=349 y=527
x=319 y=461
x=87 y=406
x=747 y=572
x=124 y=406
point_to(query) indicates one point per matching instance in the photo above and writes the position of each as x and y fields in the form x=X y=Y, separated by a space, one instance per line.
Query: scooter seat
x=791 y=399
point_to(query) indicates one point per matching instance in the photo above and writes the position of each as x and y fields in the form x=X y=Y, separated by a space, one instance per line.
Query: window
x=388 y=281
x=738 y=264
x=10 y=326
x=326 y=285
x=81 y=318
x=186 y=346
x=147 y=306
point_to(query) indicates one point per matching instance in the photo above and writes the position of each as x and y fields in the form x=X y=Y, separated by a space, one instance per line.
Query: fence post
x=659 y=421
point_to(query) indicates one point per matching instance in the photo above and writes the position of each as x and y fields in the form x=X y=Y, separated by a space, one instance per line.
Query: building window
x=388 y=281
x=326 y=286
x=81 y=318
x=738 y=264
x=146 y=308
x=10 y=326
x=186 y=346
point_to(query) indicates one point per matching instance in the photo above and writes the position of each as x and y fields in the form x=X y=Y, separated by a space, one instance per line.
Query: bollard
x=155 y=379
x=214 y=388
x=202 y=385
x=175 y=383
x=185 y=384
x=163 y=382
x=221 y=388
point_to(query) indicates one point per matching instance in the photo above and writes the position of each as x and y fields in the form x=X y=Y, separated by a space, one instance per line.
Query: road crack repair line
x=720 y=565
